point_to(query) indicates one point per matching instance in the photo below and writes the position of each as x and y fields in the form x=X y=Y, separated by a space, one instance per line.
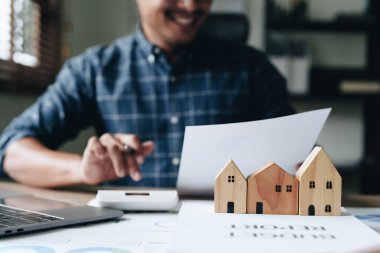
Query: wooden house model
x=230 y=192
x=320 y=185
x=271 y=190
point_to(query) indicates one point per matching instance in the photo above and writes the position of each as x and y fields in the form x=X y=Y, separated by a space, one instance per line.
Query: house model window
x=288 y=188
x=312 y=184
x=278 y=188
x=231 y=179
x=328 y=185
x=328 y=209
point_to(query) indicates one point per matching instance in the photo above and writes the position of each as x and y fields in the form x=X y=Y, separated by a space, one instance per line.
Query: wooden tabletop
x=83 y=194
x=79 y=195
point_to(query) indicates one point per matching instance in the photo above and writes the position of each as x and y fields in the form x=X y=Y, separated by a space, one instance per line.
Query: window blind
x=29 y=44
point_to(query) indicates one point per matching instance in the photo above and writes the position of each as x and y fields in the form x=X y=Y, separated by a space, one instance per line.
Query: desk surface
x=79 y=195
x=83 y=194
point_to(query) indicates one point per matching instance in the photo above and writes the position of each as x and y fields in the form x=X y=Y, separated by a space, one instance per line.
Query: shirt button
x=156 y=50
x=173 y=79
x=175 y=161
x=151 y=58
x=174 y=120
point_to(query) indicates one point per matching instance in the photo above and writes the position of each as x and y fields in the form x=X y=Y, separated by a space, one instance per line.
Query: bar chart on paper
x=129 y=234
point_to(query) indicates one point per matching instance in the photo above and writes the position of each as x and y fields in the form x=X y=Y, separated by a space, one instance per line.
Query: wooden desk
x=83 y=194
x=78 y=195
x=73 y=194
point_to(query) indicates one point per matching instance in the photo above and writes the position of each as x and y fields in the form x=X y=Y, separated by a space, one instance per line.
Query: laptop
x=20 y=213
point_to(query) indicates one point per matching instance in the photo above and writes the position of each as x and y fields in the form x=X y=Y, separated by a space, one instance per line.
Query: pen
x=129 y=150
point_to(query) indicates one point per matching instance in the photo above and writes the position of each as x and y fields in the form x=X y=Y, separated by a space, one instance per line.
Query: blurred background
x=329 y=51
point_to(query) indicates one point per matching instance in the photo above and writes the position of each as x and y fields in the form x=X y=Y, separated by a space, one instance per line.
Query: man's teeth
x=184 y=21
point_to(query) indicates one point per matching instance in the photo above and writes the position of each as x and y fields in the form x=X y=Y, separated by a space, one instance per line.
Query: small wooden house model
x=320 y=185
x=230 y=191
x=271 y=190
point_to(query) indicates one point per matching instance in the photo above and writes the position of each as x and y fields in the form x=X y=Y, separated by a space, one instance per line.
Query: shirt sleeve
x=60 y=113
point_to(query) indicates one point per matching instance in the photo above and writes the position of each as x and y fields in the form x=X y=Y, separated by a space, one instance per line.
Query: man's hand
x=105 y=158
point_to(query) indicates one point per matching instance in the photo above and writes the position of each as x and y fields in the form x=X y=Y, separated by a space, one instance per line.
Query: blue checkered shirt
x=130 y=86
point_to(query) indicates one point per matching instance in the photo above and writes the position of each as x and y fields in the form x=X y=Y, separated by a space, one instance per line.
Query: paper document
x=199 y=229
x=286 y=141
x=131 y=233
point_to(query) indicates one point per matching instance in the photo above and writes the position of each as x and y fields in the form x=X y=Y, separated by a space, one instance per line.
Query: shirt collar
x=142 y=41
x=151 y=49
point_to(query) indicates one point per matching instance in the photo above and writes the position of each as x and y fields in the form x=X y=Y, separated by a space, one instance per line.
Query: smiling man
x=172 y=24
x=139 y=93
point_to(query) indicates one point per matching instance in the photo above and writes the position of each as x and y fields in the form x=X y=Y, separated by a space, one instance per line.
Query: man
x=139 y=93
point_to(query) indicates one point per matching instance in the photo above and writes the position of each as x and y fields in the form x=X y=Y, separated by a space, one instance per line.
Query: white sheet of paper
x=284 y=140
x=199 y=229
x=132 y=233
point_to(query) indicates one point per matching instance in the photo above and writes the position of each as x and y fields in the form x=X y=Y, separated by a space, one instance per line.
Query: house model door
x=230 y=207
x=311 y=210
x=259 y=207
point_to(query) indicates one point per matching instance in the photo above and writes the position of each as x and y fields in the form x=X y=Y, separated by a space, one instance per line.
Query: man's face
x=172 y=23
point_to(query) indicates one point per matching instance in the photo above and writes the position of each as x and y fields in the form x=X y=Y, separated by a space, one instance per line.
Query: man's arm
x=28 y=161
x=65 y=108
x=28 y=144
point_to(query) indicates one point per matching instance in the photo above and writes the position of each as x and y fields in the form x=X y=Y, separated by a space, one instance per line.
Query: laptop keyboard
x=10 y=217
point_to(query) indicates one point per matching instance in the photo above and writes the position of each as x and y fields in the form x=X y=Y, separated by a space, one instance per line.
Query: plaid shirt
x=130 y=87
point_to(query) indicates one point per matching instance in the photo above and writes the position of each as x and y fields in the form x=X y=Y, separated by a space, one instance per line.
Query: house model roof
x=268 y=166
x=316 y=159
x=230 y=165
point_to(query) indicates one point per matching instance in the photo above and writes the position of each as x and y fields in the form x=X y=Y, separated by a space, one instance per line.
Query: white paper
x=199 y=229
x=286 y=141
x=149 y=232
